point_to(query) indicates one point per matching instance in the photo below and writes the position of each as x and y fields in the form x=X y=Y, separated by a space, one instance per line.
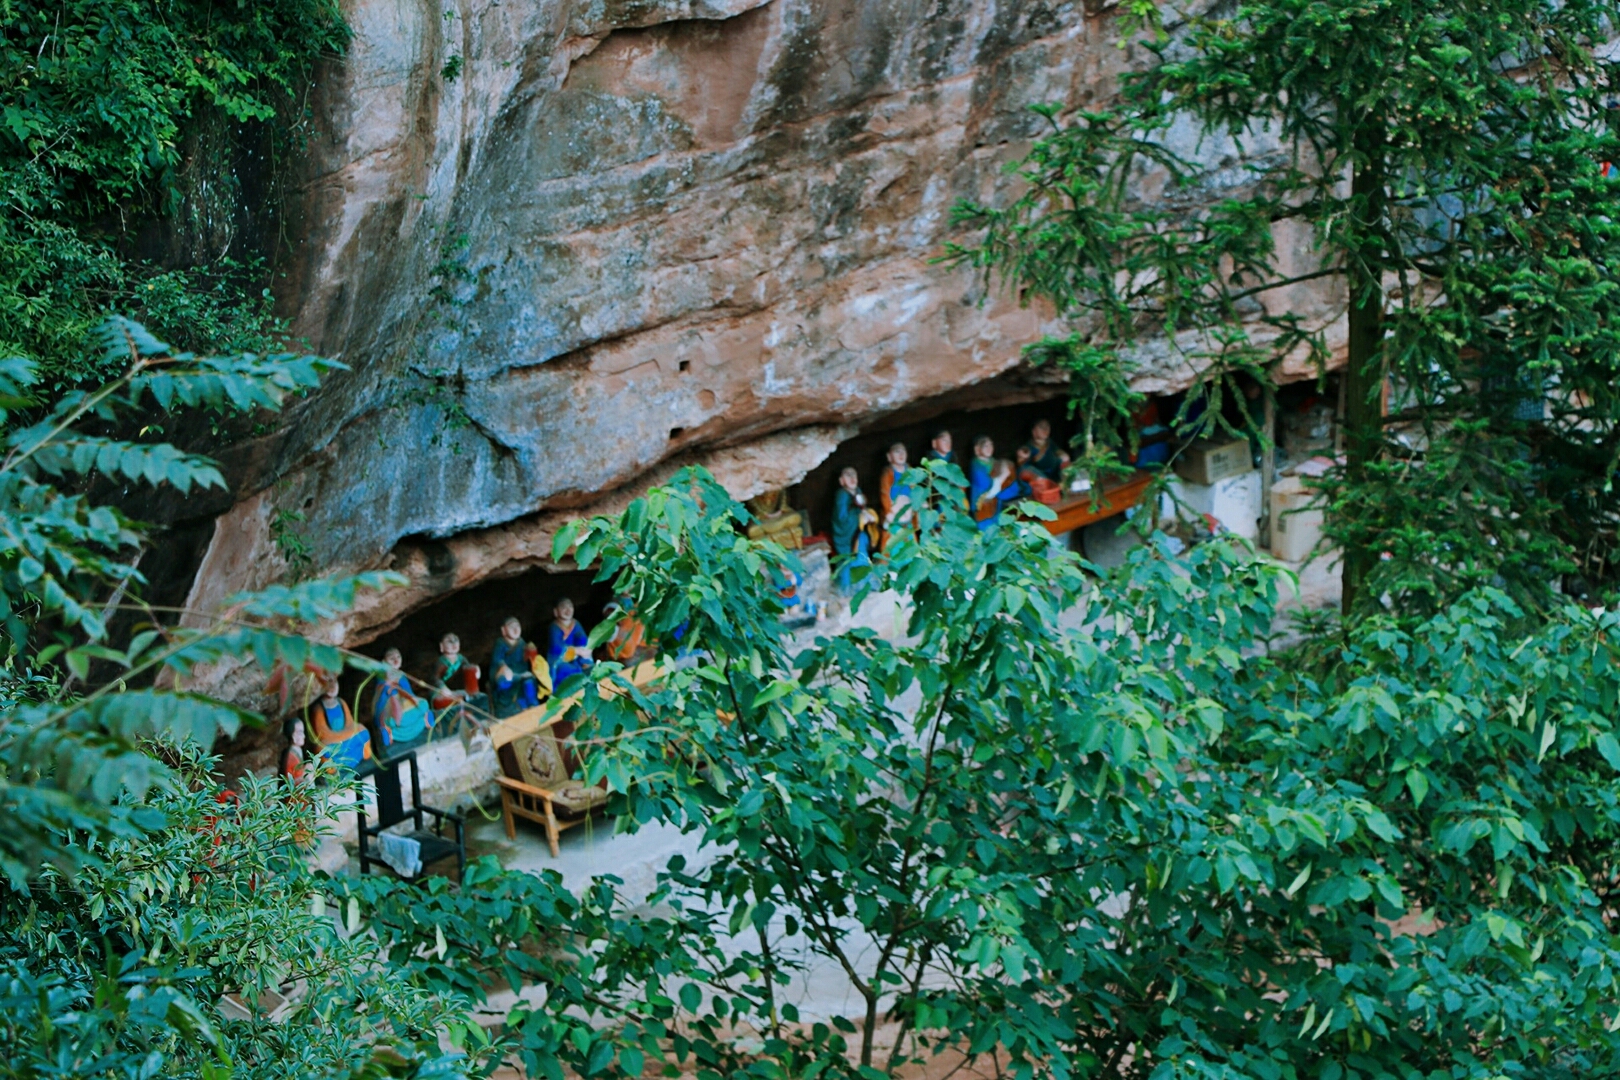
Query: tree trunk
x=1364 y=369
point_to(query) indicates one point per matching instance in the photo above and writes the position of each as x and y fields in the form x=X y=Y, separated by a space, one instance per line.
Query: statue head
x=984 y=448
x=294 y=730
x=511 y=630
x=329 y=688
x=564 y=611
x=897 y=457
x=394 y=659
x=941 y=442
x=849 y=480
x=449 y=645
x=1041 y=432
x=768 y=503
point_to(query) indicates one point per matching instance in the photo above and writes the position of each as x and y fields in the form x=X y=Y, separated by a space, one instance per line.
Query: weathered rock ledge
x=568 y=245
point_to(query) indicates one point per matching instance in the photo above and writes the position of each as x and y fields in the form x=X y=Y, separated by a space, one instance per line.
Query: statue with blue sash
x=402 y=718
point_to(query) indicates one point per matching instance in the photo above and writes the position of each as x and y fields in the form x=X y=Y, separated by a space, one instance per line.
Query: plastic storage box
x=1296 y=519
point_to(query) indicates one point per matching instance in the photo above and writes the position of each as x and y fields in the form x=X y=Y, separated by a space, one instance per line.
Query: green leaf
x=563 y=542
x=1609 y=747
x=1417 y=782
x=691 y=997
x=778 y=689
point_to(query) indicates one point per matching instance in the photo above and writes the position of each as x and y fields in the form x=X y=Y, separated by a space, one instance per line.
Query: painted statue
x=344 y=740
x=991 y=483
x=773 y=520
x=292 y=762
x=894 y=495
x=567 y=647
x=455 y=679
x=1044 y=456
x=401 y=716
x=514 y=686
x=628 y=643
x=939 y=449
x=853 y=524
x=853 y=521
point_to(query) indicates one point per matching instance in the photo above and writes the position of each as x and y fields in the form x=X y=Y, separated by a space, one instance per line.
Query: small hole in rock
x=309 y=502
x=684 y=366
x=676 y=432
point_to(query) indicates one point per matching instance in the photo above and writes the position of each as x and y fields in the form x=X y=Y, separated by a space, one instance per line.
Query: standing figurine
x=567 y=647
x=939 y=449
x=851 y=518
x=894 y=496
x=292 y=763
x=514 y=687
x=344 y=740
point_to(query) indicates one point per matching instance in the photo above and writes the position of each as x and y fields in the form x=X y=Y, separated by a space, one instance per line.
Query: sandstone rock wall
x=565 y=244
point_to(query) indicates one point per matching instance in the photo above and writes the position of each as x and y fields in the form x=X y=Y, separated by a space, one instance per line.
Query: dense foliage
x=1445 y=162
x=135 y=891
x=118 y=970
x=1095 y=828
x=1084 y=825
x=133 y=136
x=68 y=564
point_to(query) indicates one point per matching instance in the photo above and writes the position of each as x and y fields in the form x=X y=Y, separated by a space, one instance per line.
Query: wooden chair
x=391 y=811
x=537 y=766
x=536 y=785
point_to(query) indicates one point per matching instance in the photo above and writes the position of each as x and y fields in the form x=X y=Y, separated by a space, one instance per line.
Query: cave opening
x=1008 y=424
x=475 y=616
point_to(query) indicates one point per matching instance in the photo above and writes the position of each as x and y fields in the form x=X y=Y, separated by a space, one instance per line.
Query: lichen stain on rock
x=516 y=264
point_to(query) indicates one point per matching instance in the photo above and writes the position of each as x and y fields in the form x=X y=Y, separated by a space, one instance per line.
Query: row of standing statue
x=522 y=674
x=1036 y=471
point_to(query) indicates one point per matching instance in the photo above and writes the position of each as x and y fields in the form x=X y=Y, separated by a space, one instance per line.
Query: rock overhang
x=632 y=235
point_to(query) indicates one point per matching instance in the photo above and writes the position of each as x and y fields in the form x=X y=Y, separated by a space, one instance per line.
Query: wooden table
x=1077 y=511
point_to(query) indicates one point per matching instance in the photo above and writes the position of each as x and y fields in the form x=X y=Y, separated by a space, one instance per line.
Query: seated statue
x=628 y=643
x=402 y=718
x=567 y=647
x=514 y=685
x=773 y=520
x=455 y=679
x=344 y=740
x=1045 y=459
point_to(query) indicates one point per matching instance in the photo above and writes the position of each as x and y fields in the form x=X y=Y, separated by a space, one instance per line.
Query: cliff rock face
x=566 y=244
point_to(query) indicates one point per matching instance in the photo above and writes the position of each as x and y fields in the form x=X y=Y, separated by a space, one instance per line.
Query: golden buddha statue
x=773 y=520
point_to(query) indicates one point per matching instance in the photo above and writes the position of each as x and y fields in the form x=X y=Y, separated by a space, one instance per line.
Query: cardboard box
x=1209 y=461
x=1233 y=502
x=1296 y=519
